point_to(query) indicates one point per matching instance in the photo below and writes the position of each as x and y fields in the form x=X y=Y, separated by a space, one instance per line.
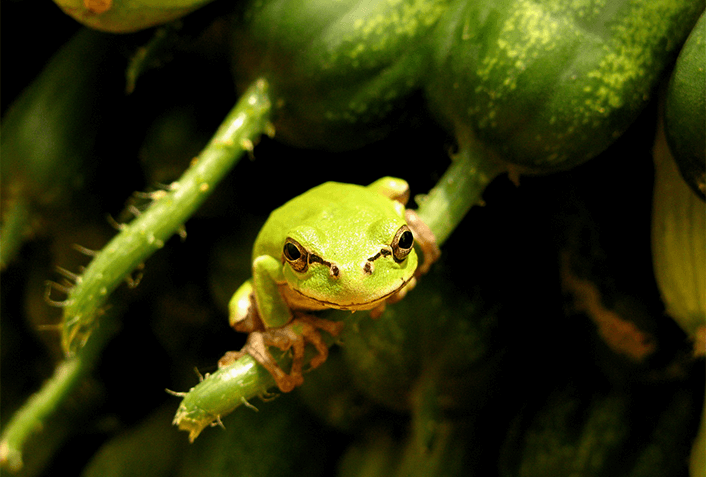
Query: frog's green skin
x=340 y=246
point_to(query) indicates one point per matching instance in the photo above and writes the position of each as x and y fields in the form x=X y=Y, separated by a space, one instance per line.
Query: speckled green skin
x=548 y=84
x=340 y=70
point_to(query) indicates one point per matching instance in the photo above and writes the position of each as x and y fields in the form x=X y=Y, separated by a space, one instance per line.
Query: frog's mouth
x=312 y=302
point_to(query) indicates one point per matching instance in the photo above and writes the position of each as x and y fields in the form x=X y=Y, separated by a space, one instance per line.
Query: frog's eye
x=296 y=255
x=402 y=244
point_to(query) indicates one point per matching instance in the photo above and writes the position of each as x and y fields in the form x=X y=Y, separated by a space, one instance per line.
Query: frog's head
x=350 y=266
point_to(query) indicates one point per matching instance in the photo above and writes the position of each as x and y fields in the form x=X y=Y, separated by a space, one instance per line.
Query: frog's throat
x=308 y=302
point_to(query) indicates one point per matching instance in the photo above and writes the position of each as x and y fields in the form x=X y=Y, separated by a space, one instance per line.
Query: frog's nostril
x=368 y=267
x=334 y=271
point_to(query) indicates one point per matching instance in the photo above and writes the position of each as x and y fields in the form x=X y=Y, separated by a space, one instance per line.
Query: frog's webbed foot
x=294 y=335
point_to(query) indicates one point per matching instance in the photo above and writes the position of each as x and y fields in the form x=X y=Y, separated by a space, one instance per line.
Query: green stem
x=460 y=188
x=32 y=417
x=222 y=392
x=168 y=211
x=164 y=37
x=442 y=209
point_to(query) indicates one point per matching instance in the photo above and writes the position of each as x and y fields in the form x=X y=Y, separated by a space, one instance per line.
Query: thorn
x=176 y=393
x=71 y=321
x=141 y=195
x=131 y=281
x=114 y=223
x=181 y=232
x=158 y=194
x=134 y=210
x=198 y=373
x=154 y=195
x=248 y=145
x=513 y=173
x=268 y=396
x=74 y=277
x=219 y=423
x=58 y=287
x=248 y=405
x=86 y=251
x=49 y=301
x=270 y=130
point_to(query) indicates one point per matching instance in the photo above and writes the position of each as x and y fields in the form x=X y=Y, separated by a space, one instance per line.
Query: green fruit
x=547 y=84
x=342 y=71
x=685 y=110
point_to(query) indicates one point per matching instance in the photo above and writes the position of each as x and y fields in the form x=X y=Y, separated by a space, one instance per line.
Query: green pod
x=49 y=132
x=548 y=84
x=678 y=243
x=340 y=71
x=126 y=16
x=685 y=110
x=646 y=432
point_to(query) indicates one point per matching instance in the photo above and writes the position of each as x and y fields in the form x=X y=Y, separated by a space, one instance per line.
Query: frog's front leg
x=294 y=335
x=259 y=309
x=258 y=304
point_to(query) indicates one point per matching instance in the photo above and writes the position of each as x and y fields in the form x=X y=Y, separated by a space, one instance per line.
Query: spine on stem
x=167 y=213
x=46 y=403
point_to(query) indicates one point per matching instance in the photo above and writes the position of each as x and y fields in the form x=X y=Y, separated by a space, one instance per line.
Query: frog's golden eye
x=402 y=243
x=296 y=255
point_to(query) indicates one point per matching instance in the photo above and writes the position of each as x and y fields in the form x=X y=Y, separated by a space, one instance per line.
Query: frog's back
x=330 y=202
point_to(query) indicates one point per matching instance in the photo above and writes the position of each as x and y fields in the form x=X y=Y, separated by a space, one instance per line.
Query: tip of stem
x=193 y=426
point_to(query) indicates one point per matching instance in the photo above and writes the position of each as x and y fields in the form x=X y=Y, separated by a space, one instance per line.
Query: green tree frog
x=342 y=246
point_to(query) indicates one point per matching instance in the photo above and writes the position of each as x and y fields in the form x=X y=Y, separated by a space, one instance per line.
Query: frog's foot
x=310 y=332
x=229 y=358
x=294 y=335
x=425 y=239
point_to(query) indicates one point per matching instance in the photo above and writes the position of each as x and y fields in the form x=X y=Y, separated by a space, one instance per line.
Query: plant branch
x=166 y=214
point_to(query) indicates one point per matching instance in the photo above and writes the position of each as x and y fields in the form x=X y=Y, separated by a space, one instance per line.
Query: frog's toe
x=230 y=357
x=287 y=382
x=319 y=359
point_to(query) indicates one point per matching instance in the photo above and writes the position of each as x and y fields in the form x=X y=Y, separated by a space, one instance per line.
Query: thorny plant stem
x=32 y=417
x=166 y=214
x=135 y=243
